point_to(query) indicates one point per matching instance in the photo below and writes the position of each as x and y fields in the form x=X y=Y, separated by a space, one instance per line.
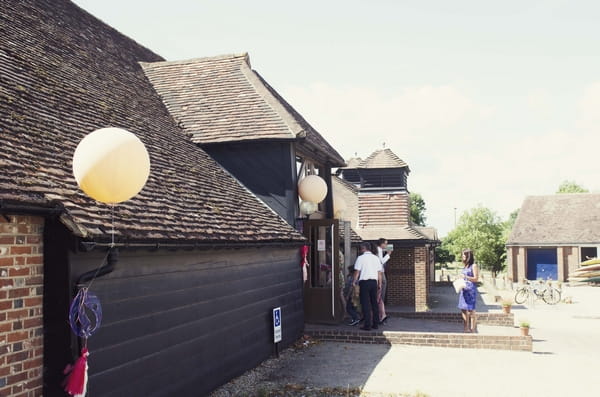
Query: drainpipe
x=105 y=268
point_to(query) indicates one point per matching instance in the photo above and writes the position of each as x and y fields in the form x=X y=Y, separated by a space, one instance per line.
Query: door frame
x=322 y=304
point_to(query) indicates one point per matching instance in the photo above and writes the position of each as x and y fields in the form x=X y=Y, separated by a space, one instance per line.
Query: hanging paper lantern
x=111 y=165
x=308 y=207
x=312 y=188
x=339 y=206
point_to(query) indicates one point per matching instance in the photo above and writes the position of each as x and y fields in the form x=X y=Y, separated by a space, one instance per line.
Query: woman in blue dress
x=468 y=295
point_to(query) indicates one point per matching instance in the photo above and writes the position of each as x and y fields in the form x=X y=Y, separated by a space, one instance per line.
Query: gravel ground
x=266 y=380
x=564 y=362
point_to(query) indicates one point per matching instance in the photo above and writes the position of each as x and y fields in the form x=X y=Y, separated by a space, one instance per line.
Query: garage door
x=542 y=264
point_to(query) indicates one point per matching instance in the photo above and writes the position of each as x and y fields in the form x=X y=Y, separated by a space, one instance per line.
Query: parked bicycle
x=537 y=290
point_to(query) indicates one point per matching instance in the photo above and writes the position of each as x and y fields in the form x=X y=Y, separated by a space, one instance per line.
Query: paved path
x=565 y=360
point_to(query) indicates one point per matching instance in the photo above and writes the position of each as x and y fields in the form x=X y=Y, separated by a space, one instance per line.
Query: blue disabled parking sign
x=277 y=325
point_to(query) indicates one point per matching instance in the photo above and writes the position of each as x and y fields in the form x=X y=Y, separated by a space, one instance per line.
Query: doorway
x=322 y=290
x=542 y=264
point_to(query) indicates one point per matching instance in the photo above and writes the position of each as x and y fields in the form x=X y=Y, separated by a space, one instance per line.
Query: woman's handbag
x=459 y=284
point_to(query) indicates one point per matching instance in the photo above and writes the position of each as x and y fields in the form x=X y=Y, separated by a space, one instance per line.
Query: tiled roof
x=429 y=232
x=314 y=146
x=354 y=237
x=387 y=216
x=391 y=233
x=63 y=74
x=381 y=158
x=214 y=100
x=348 y=194
x=558 y=219
x=383 y=210
x=353 y=162
x=221 y=99
x=345 y=184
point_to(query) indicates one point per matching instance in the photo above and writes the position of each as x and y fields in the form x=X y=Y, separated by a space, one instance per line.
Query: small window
x=588 y=253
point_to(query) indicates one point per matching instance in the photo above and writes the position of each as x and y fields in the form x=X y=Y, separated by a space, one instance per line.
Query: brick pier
x=21 y=292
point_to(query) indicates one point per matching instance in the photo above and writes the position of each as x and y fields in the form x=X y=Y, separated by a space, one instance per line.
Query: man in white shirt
x=367 y=273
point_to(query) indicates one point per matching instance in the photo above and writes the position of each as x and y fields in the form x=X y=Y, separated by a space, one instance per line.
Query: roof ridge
x=243 y=55
x=345 y=183
x=262 y=88
x=562 y=195
x=378 y=153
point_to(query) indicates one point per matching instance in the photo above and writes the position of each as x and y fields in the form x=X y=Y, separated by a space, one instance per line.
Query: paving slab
x=564 y=361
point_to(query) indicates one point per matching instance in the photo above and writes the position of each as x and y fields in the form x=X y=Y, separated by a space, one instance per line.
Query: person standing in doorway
x=468 y=295
x=349 y=298
x=367 y=274
x=383 y=258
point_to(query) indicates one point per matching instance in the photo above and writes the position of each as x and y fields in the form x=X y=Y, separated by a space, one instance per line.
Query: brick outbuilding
x=552 y=235
x=380 y=187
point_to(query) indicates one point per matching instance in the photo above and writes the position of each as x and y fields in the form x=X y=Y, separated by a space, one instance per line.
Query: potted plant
x=506 y=305
x=524 y=325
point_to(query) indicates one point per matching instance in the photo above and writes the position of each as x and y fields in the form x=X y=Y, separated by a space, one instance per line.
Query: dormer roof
x=221 y=99
x=383 y=158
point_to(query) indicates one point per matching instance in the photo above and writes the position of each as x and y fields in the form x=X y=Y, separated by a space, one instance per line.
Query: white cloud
x=359 y=119
x=458 y=154
x=540 y=102
x=589 y=107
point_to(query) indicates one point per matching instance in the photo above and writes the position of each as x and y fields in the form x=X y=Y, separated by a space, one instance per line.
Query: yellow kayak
x=588 y=268
x=584 y=276
x=589 y=262
x=585 y=272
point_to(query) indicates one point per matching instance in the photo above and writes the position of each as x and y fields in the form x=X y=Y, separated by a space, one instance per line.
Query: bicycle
x=546 y=292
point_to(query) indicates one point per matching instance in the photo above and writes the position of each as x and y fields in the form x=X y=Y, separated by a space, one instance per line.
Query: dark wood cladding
x=267 y=169
x=183 y=323
x=58 y=344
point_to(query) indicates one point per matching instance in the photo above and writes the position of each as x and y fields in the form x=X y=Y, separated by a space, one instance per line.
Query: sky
x=488 y=102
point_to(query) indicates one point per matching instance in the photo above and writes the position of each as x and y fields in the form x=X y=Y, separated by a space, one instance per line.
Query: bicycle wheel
x=551 y=296
x=521 y=295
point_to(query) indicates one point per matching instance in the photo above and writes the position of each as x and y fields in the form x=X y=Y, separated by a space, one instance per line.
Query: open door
x=322 y=290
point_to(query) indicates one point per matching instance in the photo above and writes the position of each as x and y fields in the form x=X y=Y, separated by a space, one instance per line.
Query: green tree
x=571 y=187
x=443 y=255
x=481 y=230
x=417 y=209
x=510 y=222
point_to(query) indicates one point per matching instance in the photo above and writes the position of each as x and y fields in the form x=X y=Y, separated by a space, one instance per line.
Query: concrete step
x=437 y=339
x=487 y=318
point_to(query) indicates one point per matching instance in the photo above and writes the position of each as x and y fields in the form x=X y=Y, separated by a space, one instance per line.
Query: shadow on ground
x=325 y=364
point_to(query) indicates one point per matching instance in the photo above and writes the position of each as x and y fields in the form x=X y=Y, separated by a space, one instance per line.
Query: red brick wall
x=408 y=277
x=421 y=279
x=430 y=266
x=400 y=275
x=511 y=263
x=21 y=291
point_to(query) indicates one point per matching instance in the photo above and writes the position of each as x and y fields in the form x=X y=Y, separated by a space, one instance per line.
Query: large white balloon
x=111 y=165
x=312 y=188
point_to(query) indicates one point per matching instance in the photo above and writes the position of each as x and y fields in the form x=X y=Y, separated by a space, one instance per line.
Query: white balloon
x=111 y=165
x=312 y=188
